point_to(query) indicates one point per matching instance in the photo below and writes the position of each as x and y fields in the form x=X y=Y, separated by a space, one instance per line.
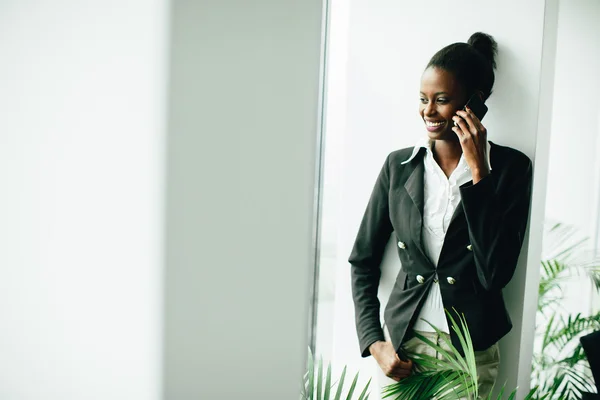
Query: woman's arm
x=496 y=204
x=497 y=210
x=365 y=260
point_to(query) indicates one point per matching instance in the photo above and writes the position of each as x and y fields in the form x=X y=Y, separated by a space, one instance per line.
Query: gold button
x=401 y=245
x=420 y=279
x=451 y=280
x=470 y=248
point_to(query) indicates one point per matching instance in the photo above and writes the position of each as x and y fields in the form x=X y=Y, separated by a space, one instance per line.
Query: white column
x=389 y=45
x=243 y=101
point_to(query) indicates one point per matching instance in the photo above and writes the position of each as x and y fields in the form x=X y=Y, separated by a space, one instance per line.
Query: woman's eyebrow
x=437 y=94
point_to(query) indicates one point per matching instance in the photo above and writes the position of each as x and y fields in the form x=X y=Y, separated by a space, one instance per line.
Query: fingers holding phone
x=468 y=123
x=472 y=114
x=472 y=135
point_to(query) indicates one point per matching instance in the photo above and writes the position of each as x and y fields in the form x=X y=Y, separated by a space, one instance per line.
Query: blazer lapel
x=458 y=213
x=415 y=187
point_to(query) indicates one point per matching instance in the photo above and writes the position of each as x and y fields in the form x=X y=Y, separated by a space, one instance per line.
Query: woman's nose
x=429 y=109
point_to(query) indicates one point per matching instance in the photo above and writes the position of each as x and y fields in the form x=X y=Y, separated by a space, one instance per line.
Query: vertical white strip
x=543 y=137
x=595 y=296
x=319 y=179
x=336 y=84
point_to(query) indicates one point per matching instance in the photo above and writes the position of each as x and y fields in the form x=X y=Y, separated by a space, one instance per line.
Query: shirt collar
x=425 y=143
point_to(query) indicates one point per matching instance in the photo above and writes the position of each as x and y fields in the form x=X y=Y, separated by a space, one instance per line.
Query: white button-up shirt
x=441 y=197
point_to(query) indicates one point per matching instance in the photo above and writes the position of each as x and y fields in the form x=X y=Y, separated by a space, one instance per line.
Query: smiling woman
x=378 y=53
x=459 y=227
x=441 y=95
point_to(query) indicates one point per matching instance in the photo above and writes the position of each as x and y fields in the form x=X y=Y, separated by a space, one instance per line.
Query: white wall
x=242 y=141
x=389 y=46
x=84 y=99
x=573 y=190
x=80 y=169
x=574 y=169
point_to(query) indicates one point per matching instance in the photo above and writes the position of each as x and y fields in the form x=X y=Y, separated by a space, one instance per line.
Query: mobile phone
x=477 y=106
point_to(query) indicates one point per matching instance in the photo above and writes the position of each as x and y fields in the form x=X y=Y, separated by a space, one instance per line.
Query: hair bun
x=486 y=45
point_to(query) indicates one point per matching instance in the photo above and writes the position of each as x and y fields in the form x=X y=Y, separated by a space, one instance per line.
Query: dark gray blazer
x=478 y=257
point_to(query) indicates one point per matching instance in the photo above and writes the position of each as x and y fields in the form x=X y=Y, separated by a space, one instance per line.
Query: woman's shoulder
x=507 y=155
x=401 y=156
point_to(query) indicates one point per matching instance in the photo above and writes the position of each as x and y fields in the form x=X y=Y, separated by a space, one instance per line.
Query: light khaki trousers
x=488 y=362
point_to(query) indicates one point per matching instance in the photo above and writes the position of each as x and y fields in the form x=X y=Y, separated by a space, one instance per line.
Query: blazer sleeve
x=365 y=259
x=497 y=210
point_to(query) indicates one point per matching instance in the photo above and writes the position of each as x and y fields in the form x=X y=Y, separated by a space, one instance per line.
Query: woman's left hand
x=473 y=140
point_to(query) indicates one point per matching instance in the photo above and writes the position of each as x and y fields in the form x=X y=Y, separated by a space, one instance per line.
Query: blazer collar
x=425 y=143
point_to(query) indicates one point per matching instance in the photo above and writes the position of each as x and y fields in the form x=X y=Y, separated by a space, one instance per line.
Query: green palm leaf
x=425 y=386
x=451 y=377
x=317 y=384
x=320 y=379
x=364 y=395
x=352 y=387
x=465 y=341
x=559 y=366
x=327 y=383
x=311 y=375
x=338 y=394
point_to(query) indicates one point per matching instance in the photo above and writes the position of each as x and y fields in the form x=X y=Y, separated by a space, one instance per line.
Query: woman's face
x=441 y=96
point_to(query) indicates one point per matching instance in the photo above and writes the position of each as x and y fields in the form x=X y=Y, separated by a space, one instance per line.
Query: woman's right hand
x=391 y=365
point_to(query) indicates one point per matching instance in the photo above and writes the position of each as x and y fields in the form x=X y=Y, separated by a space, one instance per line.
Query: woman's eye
x=423 y=100
x=442 y=100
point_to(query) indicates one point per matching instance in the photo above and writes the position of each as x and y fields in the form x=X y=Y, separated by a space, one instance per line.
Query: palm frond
x=449 y=377
x=311 y=376
x=567 y=384
x=364 y=395
x=317 y=383
x=352 y=387
x=338 y=393
x=327 y=392
x=578 y=357
x=465 y=341
x=561 y=241
x=444 y=384
x=568 y=250
x=320 y=380
x=566 y=331
x=559 y=366
x=534 y=395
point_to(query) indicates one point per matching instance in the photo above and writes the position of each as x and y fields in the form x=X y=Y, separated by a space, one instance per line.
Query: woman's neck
x=447 y=154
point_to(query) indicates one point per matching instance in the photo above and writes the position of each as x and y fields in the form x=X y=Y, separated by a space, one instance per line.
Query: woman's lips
x=433 y=126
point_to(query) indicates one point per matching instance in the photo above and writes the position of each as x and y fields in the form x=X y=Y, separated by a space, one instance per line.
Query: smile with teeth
x=434 y=124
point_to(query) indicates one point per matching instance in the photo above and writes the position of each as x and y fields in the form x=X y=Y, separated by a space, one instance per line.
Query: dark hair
x=472 y=63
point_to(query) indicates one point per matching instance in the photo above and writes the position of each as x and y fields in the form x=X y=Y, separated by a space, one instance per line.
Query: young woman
x=457 y=205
